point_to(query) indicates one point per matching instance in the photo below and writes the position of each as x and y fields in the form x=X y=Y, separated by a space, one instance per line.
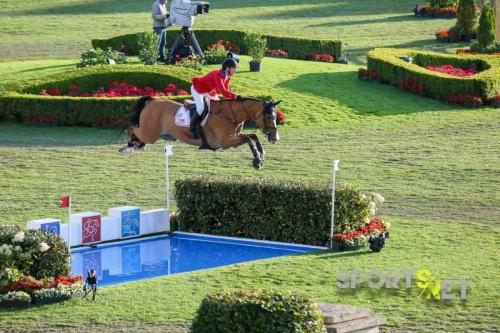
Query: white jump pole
x=168 y=152
x=332 y=222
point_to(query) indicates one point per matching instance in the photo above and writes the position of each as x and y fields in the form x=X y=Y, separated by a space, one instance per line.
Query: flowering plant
x=51 y=294
x=496 y=101
x=226 y=46
x=192 y=61
x=322 y=57
x=374 y=227
x=444 y=35
x=409 y=85
x=366 y=74
x=14 y=296
x=453 y=71
x=467 y=100
x=280 y=117
x=115 y=89
x=278 y=53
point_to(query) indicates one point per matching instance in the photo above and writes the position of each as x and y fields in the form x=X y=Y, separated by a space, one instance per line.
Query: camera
x=182 y=12
x=377 y=243
x=91 y=278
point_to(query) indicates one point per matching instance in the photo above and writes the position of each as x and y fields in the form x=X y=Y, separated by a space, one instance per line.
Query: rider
x=216 y=81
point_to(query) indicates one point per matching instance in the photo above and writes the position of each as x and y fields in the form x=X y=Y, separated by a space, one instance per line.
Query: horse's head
x=133 y=143
x=265 y=118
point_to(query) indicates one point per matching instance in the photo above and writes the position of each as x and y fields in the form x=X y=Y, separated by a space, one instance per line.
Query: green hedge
x=298 y=48
x=257 y=311
x=392 y=70
x=260 y=208
x=27 y=105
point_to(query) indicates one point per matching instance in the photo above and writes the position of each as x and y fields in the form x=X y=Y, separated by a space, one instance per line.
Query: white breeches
x=198 y=99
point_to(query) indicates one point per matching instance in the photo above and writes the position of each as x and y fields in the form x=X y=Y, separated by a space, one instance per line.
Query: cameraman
x=159 y=15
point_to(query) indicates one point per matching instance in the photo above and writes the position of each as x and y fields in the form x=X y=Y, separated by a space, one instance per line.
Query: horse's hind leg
x=255 y=138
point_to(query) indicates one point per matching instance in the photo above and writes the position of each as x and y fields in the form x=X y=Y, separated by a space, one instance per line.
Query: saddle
x=187 y=112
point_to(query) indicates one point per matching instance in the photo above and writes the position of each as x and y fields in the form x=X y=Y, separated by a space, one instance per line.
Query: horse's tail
x=135 y=112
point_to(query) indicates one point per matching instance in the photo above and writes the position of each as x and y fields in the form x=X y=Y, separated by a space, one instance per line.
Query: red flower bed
x=280 y=117
x=115 y=89
x=465 y=51
x=496 y=101
x=30 y=284
x=228 y=46
x=467 y=100
x=39 y=119
x=374 y=226
x=322 y=57
x=277 y=53
x=365 y=74
x=453 y=71
x=409 y=85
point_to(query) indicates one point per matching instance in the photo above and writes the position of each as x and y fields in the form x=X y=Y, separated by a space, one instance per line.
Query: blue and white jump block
x=48 y=224
x=123 y=222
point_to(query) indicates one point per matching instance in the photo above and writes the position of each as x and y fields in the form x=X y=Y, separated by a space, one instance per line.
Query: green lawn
x=436 y=165
x=63 y=28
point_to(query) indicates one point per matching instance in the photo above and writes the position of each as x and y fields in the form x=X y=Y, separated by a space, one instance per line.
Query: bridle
x=269 y=114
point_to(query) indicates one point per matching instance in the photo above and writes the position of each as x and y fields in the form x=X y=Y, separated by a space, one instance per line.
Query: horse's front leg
x=255 y=138
x=242 y=139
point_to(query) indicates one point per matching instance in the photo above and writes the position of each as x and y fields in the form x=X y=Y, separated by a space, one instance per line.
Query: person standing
x=159 y=15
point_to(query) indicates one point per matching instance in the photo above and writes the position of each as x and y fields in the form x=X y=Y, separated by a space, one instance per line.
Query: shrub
x=486 y=30
x=35 y=253
x=50 y=295
x=256 y=46
x=149 y=51
x=394 y=71
x=93 y=57
x=248 y=311
x=443 y=3
x=15 y=298
x=285 y=210
x=215 y=54
x=298 y=48
x=466 y=15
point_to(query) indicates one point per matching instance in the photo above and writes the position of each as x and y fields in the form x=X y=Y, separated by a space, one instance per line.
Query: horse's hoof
x=126 y=150
x=257 y=163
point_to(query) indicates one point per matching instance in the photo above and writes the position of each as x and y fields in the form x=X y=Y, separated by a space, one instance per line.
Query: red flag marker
x=65 y=200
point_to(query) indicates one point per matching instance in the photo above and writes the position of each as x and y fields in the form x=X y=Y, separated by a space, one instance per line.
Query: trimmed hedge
x=260 y=208
x=392 y=70
x=298 y=48
x=26 y=104
x=257 y=311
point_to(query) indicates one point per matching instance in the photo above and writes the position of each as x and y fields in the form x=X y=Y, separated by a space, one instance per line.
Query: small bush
x=15 y=298
x=50 y=294
x=466 y=16
x=215 y=54
x=33 y=252
x=486 y=30
x=149 y=49
x=93 y=57
x=256 y=46
x=443 y=3
x=257 y=311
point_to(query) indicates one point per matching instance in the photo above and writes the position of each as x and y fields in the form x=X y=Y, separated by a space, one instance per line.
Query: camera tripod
x=185 y=33
x=92 y=289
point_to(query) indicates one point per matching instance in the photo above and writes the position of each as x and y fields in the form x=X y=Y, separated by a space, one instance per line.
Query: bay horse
x=152 y=118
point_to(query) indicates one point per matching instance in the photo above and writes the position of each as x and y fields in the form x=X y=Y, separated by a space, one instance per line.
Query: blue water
x=181 y=252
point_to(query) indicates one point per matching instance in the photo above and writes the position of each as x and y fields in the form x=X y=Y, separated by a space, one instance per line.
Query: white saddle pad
x=183 y=119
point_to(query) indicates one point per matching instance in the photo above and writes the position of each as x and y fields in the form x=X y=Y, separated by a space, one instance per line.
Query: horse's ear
x=276 y=103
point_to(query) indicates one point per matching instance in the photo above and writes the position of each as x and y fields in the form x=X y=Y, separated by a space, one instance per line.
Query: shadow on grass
x=390 y=19
x=34 y=69
x=363 y=97
x=19 y=135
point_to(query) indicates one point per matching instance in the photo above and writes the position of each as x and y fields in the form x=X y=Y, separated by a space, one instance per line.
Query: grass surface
x=63 y=28
x=436 y=165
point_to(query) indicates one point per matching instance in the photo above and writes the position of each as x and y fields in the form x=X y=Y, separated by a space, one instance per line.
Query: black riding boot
x=204 y=144
x=193 y=128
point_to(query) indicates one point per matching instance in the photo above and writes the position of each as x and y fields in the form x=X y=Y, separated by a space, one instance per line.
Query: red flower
x=323 y=57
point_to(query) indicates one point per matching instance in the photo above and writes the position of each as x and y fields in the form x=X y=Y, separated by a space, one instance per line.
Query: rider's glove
x=240 y=98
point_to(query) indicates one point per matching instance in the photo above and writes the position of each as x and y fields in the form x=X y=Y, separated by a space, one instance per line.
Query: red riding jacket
x=214 y=82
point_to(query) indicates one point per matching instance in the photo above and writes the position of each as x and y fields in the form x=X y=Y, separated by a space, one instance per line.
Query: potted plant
x=256 y=48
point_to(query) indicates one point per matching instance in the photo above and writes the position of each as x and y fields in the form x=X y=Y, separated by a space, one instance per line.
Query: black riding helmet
x=229 y=63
